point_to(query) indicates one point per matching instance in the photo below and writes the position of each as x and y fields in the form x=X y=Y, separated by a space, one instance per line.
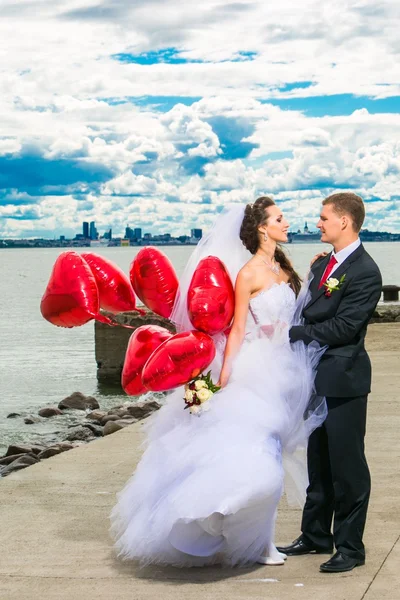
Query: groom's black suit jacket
x=340 y=322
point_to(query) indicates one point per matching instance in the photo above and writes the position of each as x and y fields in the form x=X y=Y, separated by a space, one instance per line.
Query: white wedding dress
x=209 y=485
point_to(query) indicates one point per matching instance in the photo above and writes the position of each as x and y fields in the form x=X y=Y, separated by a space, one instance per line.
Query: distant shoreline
x=94 y=248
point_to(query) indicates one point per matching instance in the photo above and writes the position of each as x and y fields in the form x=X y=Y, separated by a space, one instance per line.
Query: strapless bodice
x=275 y=304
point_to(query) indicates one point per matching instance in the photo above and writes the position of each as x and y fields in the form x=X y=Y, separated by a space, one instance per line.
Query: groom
x=345 y=290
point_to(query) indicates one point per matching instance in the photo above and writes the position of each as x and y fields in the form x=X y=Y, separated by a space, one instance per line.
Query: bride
x=207 y=488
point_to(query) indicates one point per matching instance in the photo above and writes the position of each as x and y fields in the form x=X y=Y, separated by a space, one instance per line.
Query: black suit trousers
x=339 y=479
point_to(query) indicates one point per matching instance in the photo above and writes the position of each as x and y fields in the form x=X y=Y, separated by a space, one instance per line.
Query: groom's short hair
x=347 y=203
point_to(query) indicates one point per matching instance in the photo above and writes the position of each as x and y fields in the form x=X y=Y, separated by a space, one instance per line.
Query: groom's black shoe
x=340 y=563
x=299 y=547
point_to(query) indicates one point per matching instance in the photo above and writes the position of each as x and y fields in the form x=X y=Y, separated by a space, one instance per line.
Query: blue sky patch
x=231 y=133
x=30 y=215
x=244 y=56
x=296 y=85
x=339 y=104
x=170 y=56
x=194 y=165
x=33 y=172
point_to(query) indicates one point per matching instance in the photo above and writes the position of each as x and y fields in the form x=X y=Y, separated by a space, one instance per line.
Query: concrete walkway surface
x=55 y=543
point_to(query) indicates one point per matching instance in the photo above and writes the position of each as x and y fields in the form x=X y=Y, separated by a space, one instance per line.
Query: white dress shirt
x=342 y=255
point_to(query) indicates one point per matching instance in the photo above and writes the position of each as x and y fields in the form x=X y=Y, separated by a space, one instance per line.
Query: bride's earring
x=265 y=237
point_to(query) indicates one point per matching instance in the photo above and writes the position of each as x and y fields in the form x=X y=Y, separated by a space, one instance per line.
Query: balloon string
x=110 y=321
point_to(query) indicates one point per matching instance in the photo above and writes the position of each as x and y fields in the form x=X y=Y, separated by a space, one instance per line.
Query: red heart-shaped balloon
x=211 y=298
x=141 y=346
x=154 y=280
x=71 y=297
x=115 y=290
x=178 y=360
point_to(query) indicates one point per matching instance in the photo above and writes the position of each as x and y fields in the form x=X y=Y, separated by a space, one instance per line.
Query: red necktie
x=327 y=271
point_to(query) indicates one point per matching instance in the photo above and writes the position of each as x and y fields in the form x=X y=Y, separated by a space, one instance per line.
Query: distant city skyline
x=89 y=230
x=135 y=236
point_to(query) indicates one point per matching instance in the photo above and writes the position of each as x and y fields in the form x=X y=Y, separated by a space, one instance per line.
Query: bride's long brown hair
x=255 y=215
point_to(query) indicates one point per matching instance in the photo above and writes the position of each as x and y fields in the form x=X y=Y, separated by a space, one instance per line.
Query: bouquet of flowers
x=198 y=392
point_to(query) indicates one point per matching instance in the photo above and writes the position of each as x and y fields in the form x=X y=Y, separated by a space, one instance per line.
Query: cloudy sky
x=157 y=113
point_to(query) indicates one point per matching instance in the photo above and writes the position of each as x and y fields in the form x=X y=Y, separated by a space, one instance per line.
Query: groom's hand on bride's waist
x=298 y=332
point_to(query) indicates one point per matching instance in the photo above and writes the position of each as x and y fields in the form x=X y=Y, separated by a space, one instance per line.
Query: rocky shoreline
x=386 y=312
x=95 y=423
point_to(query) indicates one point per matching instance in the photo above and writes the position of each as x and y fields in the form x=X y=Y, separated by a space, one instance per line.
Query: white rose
x=189 y=395
x=204 y=395
x=194 y=410
x=199 y=384
x=332 y=282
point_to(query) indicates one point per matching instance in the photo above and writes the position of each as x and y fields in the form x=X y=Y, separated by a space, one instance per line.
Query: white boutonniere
x=332 y=285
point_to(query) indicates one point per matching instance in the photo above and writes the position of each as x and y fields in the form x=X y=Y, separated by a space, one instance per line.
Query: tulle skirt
x=207 y=487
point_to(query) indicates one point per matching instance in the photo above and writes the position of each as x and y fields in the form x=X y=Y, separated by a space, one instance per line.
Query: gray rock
x=80 y=433
x=69 y=445
x=20 y=463
x=96 y=415
x=6 y=460
x=112 y=427
x=37 y=448
x=386 y=313
x=56 y=449
x=13 y=415
x=98 y=431
x=18 y=449
x=108 y=418
x=79 y=401
x=49 y=411
x=141 y=410
x=30 y=420
x=119 y=412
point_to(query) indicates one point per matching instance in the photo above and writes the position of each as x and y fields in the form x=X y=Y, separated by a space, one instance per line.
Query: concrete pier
x=55 y=543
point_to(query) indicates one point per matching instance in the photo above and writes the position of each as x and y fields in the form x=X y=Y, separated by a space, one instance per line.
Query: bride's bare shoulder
x=247 y=271
x=245 y=276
